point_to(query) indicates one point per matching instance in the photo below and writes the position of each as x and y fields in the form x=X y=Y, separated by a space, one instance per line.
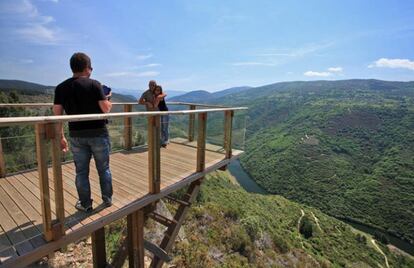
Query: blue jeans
x=82 y=149
x=165 y=119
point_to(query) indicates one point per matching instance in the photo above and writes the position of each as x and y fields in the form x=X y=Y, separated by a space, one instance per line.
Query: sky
x=207 y=45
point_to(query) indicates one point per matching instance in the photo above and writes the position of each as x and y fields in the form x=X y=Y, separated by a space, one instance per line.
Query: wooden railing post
x=201 y=142
x=41 y=153
x=154 y=154
x=98 y=248
x=135 y=224
x=2 y=162
x=55 y=136
x=228 y=126
x=191 y=123
x=127 y=128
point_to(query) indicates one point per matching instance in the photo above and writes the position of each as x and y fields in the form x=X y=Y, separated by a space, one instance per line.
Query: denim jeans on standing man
x=83 y=148
x=165 y=119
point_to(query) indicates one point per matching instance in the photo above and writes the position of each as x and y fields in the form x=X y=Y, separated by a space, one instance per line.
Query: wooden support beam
x=191 y=123
x=157 y=251
x=228 y=127
x=154 y=154
x=55 y=135
x=128 y=127
x=135 y=222
x=2 y=162
x=190 y=196
x=201 y=142
x=181 y=202
x=161 y=219
x=179 y=217
x=98 y=248
x=41 y=153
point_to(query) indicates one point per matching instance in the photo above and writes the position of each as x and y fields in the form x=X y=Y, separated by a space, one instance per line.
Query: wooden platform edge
x=30 y=257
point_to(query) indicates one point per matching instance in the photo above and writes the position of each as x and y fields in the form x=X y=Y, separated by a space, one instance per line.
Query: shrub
x=306 y=227
x=239 y=240
x=280 y=244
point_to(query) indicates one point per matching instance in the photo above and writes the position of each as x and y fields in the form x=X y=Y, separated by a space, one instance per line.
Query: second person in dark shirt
x=159 y=102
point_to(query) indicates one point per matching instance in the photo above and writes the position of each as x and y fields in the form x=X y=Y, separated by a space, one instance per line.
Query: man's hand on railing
x=64 y=145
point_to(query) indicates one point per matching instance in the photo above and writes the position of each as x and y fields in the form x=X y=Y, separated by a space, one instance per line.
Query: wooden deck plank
x=23 y=223
x=7 y=251
x=13 y=232
x=35 y=199
x=142 y=170
x=31 y=220
x=32 y=179
x=167 y=176
x=118 y=200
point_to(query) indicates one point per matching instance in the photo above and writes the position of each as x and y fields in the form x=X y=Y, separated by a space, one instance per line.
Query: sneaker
x=107 y=203
x=164 y=145
x=80 y=207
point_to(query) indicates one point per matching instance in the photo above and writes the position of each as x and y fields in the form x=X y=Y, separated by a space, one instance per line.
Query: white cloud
x=38 y=33
x=335 y=69
x=150 y=65
x=27 y=23
x=252 y=63
x=133 y=74
x=298 y=52
x=393 y=63
x=148 y=74
x=317 y=74
x=144 y=57
x=26 y=61
x=330 y=72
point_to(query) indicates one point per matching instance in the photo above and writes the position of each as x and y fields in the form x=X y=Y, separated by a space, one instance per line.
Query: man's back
x=81 y=95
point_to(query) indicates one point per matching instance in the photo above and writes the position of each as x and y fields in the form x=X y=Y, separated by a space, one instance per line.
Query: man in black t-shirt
x=82 y=95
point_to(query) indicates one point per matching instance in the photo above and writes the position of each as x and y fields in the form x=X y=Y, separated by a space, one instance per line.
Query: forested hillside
x=346 y=147
x=229 y=227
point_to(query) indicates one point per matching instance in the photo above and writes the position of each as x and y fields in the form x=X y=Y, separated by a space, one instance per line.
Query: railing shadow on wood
x=47 y=129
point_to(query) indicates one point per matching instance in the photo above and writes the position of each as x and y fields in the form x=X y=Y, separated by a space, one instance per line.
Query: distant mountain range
x=124 y=94
x=202 y=96
x=29 y=88
x=136 y=93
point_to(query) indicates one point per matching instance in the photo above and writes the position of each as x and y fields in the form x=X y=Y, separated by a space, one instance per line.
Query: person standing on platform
x=82 y=95
x=159 y=102
x=148 y=98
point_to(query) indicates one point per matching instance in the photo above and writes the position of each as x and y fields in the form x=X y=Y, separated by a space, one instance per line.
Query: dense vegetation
x=229 y=227
x=346 y=147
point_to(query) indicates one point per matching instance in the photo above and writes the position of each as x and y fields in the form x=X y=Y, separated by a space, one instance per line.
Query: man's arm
x=103 y=100
x=58 y=110
x=141 y=100
x=144 y=101
x=158 y=99
x=105 y=106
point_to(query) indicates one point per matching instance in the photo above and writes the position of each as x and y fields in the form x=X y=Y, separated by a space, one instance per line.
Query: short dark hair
x=152 y=82
x=79 y=62
x=158 y=87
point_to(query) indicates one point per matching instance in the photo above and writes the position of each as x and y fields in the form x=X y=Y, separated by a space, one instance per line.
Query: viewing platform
x=37 y=213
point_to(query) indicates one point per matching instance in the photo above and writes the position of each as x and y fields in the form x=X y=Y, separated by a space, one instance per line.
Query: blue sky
x=210 y=45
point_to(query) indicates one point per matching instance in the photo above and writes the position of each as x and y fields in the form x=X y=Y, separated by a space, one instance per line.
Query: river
x=244 y=179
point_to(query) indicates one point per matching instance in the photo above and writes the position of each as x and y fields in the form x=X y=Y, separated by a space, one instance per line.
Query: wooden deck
x=20 y=206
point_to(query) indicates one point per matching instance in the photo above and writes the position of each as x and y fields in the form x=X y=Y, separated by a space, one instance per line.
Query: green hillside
x=345 y=147
x=229 y=227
